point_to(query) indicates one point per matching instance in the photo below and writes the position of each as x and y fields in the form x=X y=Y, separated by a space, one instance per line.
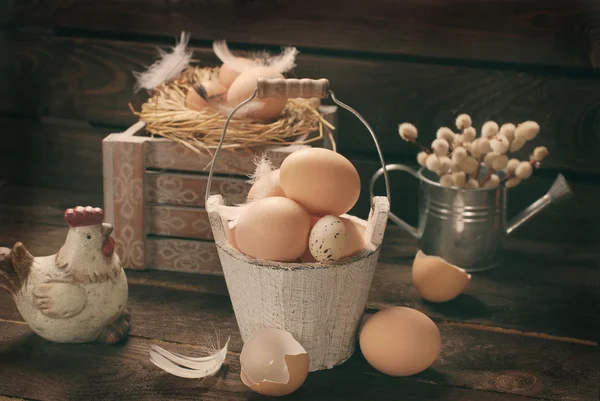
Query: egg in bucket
x=319 y=304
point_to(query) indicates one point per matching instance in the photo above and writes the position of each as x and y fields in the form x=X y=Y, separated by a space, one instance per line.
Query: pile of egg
x=297 y=213
x=232 y=87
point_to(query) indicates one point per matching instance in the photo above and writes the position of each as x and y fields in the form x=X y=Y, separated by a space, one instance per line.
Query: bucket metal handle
x=396 y=167
x=305 y=88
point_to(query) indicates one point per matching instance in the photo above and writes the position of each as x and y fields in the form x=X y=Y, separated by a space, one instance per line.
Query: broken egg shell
x=273 y=363
x=213 y=89
x=437 y=280
x=227 y=74
x=266 y=186
x=327 y=239
x=266 y=109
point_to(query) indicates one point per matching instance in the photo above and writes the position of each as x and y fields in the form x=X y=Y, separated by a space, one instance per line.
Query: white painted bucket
x=321 y=305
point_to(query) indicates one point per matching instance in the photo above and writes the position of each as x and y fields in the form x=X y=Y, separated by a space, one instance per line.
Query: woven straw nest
x=166 y=115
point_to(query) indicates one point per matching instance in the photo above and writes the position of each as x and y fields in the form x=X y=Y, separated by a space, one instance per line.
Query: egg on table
x=266 y=109
x=274 y=228
x=321 y=180
x=400 y=341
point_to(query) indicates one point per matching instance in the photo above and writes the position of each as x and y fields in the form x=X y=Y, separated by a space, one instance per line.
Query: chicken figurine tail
x=77 y=295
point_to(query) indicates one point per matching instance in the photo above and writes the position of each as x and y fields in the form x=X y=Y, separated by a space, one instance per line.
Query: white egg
x=327 y=239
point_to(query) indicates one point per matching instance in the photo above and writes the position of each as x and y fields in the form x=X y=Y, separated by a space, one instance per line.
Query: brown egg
x=322 y=181
x=266 y=186
x=273 y=363
x=227 y=74
x=266 y=109
x=213 y=89
x=274 y=228
x=437 y=280
x=400 y=341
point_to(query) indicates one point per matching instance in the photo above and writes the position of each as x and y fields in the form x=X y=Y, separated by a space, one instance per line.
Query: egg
x=265 y=109
x=437 y=280
x=266 y=186
x=227 y=74
x=213 y=90
x=400 y=341
x=355 y=239
x=274 y=228
x=273 y=363
x=327 y=239
x=321 y=180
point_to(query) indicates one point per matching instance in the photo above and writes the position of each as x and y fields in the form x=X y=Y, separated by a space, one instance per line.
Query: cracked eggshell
x=437 y=280
x=273 y=363
x=327 y=239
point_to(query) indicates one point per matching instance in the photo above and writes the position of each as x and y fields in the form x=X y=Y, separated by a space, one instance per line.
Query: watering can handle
x=306 y=88
x=396 y=167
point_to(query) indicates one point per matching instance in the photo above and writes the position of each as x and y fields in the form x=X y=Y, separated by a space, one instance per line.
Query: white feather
x=285 y=61
x=263 y=167
x=224 y=54
x=168 y=67
x=282 y=62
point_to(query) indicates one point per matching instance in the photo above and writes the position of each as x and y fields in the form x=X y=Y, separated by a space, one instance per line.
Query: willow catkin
x=408 y=132
x=488 y=159
x=524 y=170
x=508 y=130
x=422 y=158
x=433 y=163
x=527 y=130
x=463 y=121
x=500 y=144
x=489 y=129
x=500 y=162
x=492 y=182
x=483 y=145
x=540 y=153
x=445 y=164
x=459 y=154
x=460 y=179
x=472 y=183
x=469 y=165
x=517 y=144
x=446 y=134
x=512 y=182
x=511 y=166
x=469 y=134
x=440 y=147
x=446 y=180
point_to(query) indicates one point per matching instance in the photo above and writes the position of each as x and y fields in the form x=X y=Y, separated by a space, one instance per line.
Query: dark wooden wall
x=66 y=79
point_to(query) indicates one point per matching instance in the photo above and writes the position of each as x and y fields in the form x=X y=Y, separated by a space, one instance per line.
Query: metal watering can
x=466 y=227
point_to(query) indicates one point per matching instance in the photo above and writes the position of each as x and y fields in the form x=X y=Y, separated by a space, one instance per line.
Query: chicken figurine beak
x=107 y=229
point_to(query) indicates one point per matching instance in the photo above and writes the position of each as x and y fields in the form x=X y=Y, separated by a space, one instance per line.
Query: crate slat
x=188 y=256
x=180 y=222
x=188 y=190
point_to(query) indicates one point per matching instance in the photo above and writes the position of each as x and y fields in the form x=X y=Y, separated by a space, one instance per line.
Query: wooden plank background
x=68 y=68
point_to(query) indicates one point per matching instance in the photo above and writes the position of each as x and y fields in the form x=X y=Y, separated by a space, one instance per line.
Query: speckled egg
x=327 y=239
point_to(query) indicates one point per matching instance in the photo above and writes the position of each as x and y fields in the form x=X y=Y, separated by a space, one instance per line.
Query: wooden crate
x=154 y=196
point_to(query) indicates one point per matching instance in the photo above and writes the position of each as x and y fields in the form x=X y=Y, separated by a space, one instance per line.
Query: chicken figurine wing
x=77 y=295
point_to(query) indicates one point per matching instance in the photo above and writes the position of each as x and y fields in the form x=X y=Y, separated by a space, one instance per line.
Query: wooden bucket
x=321 y=305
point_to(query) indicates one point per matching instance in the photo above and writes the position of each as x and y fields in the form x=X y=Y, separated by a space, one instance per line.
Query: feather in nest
x=282 y=62
x=168 y=67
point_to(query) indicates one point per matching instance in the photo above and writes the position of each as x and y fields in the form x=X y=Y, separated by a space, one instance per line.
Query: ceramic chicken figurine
x=79 y=294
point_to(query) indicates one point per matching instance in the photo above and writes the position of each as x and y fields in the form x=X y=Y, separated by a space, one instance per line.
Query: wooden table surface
x=526 y=330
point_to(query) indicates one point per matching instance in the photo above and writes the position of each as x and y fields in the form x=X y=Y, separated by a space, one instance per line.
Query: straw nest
x=166 y=115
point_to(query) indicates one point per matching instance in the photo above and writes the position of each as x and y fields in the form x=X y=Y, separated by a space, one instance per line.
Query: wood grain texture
x=58 y=154
x=536 y=32
x=189 y=190
x=181 y=222
x=56 y=372
x=474 y=359
x=89 y=79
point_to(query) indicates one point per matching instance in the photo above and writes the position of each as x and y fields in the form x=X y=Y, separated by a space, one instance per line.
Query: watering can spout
x=559 y=191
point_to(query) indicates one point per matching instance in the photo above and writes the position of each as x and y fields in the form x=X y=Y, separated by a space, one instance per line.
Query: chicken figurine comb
x=77 y=295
